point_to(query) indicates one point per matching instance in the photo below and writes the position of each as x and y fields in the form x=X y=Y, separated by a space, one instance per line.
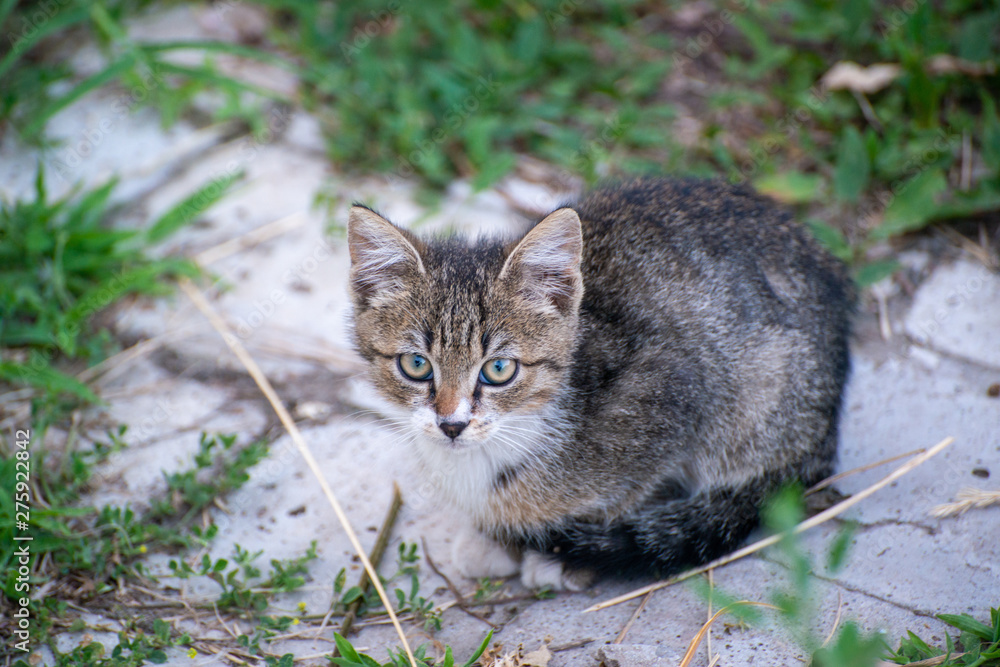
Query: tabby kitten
x=618 y=391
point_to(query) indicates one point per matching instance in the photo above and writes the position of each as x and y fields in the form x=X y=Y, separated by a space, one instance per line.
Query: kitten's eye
x=415 y=366
x=498 y=371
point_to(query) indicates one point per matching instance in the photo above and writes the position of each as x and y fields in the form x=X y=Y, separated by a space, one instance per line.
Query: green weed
x=851 y=647
x=882 y=163
x=977 y=642
x=217 y=471
x=407 y=90
x=349 y=656
x=60 y=266
x=142 y=71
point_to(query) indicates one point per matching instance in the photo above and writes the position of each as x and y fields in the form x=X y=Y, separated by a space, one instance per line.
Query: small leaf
x=157 y=657
x=853 y=166
x=913 y=206
x=966 y=623
x=832 y=238
x=345 y=648
x=790 y=187
x=869 y=274
x=838 y=550
x=352 y=594
x=480 y=650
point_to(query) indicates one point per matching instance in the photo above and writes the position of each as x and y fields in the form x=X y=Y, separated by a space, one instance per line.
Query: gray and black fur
x=699 y=367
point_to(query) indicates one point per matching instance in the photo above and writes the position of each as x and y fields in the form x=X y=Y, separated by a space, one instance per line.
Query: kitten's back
x=713 y=332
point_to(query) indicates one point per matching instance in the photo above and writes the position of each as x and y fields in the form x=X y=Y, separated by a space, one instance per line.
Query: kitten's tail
x=661 y=538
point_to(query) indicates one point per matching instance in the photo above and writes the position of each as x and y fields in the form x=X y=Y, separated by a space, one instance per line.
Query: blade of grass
x=5 y=9
x=220 y=47
x=46 y=377
x=53 y=25
x=207 y=76
x=91 y=83
x=189 y=209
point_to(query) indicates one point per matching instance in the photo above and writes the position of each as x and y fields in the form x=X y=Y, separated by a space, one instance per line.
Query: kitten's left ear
x=546 y=263
x=383 y=259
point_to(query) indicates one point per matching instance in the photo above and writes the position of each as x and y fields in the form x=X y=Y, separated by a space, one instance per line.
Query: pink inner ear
x=547 y=262
x=381 y=256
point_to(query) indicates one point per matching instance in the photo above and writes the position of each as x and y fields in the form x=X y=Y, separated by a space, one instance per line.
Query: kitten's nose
x=452 y=429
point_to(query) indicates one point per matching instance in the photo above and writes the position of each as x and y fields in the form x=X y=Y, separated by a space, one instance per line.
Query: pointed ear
x=546 y=263
x=382 y=257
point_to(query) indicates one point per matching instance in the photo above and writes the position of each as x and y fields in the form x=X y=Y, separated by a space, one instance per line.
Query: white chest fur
x=464 y=476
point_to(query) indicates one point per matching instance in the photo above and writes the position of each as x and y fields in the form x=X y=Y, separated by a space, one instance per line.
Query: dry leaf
x=944 y=63
x=537 y=658
x=846 y=75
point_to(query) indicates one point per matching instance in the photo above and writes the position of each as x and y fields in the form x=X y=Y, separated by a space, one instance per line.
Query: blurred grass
x=596 y=88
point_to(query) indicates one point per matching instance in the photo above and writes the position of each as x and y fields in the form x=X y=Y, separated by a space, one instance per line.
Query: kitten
x=618 y=391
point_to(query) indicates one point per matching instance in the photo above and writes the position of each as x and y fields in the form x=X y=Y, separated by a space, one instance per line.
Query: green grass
x=404 y=90
x=142 y=72
x=61 y=265
x=869 y=177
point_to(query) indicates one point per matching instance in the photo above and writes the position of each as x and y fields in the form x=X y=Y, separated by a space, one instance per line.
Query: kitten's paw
x=540 y=571
x=477 y=555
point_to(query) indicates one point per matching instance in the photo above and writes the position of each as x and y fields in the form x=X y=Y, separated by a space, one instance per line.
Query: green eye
x=415 y=366
x=498 y=371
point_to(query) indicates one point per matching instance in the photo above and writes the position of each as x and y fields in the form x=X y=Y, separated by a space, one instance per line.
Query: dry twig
x=829 y=481
x=811 y=522
x=696 y=641
x=460 y=601
x=381 y=540
x=635 y=615
x=286 y=419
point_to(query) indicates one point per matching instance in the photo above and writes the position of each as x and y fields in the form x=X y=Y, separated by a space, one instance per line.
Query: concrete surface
x=286 y=300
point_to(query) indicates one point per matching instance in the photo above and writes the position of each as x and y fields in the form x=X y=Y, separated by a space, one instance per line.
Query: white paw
x=539 y=571
x=477 y=555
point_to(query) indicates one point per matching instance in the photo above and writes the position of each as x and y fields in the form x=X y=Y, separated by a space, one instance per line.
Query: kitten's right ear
x=545 y=265
x=381 y=256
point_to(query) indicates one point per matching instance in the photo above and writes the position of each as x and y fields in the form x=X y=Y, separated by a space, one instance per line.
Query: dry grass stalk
x=251 y=238
x=635 y=615
x=381 y=541
x=811 y=522
x=696 y=641
x=286 y=419
x=967 y=499
x=836 y=620
x=833 y=479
